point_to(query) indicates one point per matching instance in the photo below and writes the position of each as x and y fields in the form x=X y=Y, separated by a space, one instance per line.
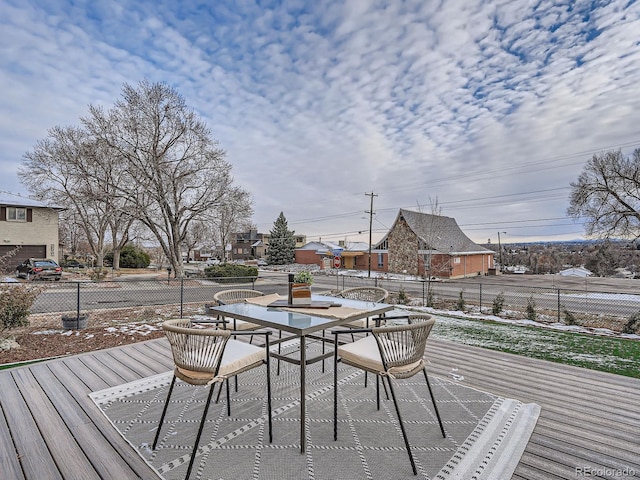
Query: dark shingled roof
x=441 y=233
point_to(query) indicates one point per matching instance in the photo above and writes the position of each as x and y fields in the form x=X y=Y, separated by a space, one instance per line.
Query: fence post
x=78 y=304
x=424 y=295
x=480 y=297
x=558 y=304
x=181 y=295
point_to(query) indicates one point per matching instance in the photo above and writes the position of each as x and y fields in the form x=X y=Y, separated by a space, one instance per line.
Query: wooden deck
x=50 y=428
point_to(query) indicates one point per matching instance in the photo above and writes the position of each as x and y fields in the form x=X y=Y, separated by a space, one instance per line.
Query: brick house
x=29 y=224
x=253 y=245
x=352 y=254
x=430 y=245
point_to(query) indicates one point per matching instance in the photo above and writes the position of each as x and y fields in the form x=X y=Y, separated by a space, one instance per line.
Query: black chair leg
x=323 y=350
x=219 y=392
x=195 y=445
x=269 y=389
x=279 y=350
x=378 y=390
x=164 y=412
x=335 y=389
x=435 y=407
x=228 y=398
x=404 y=433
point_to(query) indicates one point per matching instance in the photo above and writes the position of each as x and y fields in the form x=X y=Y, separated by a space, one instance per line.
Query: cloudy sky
x=489 y=108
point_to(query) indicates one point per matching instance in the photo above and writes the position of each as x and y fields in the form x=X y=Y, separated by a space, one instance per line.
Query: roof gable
x=13 y=200
x=439 y=233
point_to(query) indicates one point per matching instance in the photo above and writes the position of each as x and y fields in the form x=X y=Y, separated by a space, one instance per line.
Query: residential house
x=30 y=225
x=431 y=245
x=352 y=254
x=252 y=245
x=575 y=272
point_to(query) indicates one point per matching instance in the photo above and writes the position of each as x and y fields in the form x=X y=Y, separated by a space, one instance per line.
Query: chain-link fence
x=570 y=306
x=138 y=300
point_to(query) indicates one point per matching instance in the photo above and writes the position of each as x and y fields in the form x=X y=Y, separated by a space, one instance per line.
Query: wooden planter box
x=301 y=294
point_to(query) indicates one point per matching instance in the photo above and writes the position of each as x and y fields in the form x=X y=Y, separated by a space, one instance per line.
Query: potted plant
x=75 y=322
x=301 y=288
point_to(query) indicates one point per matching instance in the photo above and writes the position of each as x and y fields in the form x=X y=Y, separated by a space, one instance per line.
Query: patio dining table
x=302 y=321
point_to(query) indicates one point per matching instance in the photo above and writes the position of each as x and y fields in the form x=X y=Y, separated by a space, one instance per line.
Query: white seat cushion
x=365 y=353
x=237 y=355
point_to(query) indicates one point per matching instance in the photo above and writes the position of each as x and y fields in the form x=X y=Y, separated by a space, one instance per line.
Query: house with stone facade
x=417 y=244
x=430 y=245
x=30 y=225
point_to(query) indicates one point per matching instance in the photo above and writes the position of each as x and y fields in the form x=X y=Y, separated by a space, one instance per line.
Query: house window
x=17 y=214
x=380 y=260
x=456 y=259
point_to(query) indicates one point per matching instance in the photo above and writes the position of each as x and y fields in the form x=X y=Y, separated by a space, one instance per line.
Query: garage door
x=26 y=251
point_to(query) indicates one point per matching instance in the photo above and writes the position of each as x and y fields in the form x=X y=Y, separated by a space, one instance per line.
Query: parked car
x=262 y=263
x=73 y=264
x=39 y=268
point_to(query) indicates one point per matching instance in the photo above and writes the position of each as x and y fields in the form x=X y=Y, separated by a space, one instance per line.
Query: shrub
x=460 y=303
x=15 y=305
x=531 y=309
x=633 y=324
x=403 y=299
x=230 y=272
x=430 y=298
x=130 y=257
x=569 y=318
x=498 y=304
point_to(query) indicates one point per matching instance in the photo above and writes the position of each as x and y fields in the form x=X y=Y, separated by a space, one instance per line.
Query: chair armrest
x=394 y=317
x=351 y=331
x=253 y=332
x=212 y=321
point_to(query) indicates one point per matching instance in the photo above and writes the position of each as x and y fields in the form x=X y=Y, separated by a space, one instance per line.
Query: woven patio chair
x=206 y=356
x=391 y=353
x=365 y=294
x=228 y=297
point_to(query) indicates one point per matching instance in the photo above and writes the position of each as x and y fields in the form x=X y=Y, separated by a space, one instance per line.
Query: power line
x=500 y=199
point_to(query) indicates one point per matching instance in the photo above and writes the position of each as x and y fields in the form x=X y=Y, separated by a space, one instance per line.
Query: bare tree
x=232 y=216
x=178 y=173
x=607 y=195
x=197 y=233
x=59 y=170
x=71 y=232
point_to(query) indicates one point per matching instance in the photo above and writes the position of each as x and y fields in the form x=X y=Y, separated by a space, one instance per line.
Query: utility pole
x=500 y=250
x=370 y=212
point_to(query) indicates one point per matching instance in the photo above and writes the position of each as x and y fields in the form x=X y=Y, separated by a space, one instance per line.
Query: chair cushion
x=366 y=354
x=237 y=356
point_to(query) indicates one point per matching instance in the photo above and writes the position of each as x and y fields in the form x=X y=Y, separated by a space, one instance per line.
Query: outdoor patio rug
x=486 y=435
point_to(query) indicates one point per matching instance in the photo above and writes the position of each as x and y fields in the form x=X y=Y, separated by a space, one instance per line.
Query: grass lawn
x=608 y=354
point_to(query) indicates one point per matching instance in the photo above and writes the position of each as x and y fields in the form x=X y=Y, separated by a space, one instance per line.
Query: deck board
x=589 y=419
x=9 y=463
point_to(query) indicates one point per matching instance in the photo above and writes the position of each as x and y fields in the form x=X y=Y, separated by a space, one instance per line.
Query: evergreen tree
x=282 y=243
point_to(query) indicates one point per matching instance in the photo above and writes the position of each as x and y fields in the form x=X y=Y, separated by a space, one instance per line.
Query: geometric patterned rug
x=486 y=434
